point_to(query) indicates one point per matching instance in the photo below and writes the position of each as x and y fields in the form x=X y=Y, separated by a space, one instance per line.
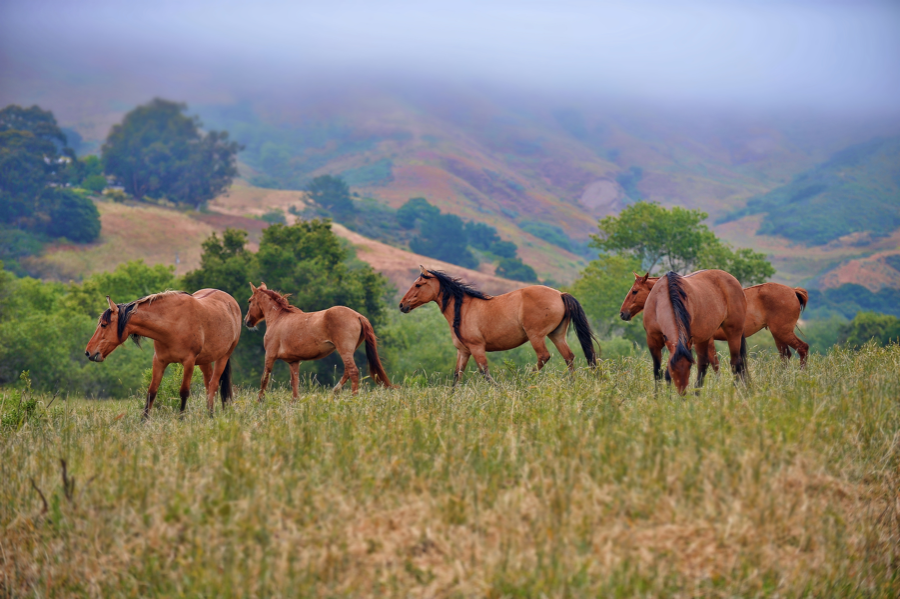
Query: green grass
x=551 y=485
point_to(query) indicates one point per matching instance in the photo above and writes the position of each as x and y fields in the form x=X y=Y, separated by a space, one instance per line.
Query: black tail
x=225 y=391
x=677 y=296
x=586 y=337
x=803 y=296
x=744 y=372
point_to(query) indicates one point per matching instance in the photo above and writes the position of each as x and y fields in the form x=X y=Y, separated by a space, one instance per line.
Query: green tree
x=129 y=281
x=158 y=151
x=676 y=240
x=416 y=209
x=601 y=288
x=444 y=238
x=515 y=269
x=34 y=160
x=332 y=194
x=883 y=329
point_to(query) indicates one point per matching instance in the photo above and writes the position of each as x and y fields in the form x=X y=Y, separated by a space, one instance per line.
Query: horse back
x=216 y=308
x=715 y=298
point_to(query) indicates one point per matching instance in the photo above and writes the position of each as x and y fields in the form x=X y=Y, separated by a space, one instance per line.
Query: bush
x=515 y=269
x=95 y=183
x=71 y=216
x=883 y=329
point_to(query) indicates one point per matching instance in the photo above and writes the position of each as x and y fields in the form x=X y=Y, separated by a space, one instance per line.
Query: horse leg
x=735 y=335
x=295 y=378
x=267 y=370
x=185 y=390
x=481 y=360
x=540 y=348
x=790 y=340
x=158 y=370
x=462 y=359
x=703 y=350
x=350 y=372
x=713 y=357
x=655 y=345
x=217 y=371
x=207 y=370
x=558 y=337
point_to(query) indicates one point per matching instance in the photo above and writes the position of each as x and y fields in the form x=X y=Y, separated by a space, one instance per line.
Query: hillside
x=157 y=235
x=540 y=170
x=855 y=192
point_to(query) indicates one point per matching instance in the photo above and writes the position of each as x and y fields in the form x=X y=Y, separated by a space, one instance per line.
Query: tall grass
x=596 y=484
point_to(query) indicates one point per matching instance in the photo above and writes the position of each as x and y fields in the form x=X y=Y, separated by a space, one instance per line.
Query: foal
x=293 y=335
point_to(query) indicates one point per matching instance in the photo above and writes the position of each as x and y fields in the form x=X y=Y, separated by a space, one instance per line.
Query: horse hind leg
x=540 y=348
x=350 y=372
x=558 y=337
x=789 y=340
x=217 y=371
x=462 y=359
x=481 y=360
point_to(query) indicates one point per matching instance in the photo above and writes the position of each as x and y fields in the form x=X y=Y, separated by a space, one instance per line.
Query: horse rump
x=376 y=370
x=579 y=320
x=802 y=296
x=225 y=390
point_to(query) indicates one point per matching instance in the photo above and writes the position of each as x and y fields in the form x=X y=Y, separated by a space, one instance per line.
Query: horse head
x=109 y=334
x=255 y=313
x=637 y=296
x=425 y=288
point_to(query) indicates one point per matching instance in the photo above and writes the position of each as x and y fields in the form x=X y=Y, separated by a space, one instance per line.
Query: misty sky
x=752 y=53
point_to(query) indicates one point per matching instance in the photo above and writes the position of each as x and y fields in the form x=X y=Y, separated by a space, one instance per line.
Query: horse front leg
x=267 y=371
x=655 y=344
x=703 y=350
x=185 y=390
x=481 y=360
x=214 y=383
x=159 y=368
x=462 y=359
x=295 y=378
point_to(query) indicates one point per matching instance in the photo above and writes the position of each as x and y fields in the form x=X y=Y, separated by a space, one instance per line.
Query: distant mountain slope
x=857 y=191
x=159 y=235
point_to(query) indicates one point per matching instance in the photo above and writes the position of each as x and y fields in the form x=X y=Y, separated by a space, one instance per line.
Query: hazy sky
x=750 y=53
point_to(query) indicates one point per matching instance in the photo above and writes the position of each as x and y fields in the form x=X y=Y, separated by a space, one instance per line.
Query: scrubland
x=597 y=484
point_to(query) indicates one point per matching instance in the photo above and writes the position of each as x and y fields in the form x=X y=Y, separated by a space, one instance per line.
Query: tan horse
x=769 y=305
x=193 y=330
x=481 y=323
x=685 y=311
x=294 y=336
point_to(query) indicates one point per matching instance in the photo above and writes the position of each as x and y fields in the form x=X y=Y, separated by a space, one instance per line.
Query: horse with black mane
x=770 y=306
x=684 y=311
x=481 y=323
x=192 y=330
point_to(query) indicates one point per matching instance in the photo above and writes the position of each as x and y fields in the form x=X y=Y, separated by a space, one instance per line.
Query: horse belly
x=505 y=340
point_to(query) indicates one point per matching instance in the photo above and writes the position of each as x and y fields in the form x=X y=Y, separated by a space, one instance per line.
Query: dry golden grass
x=543 y=485
x=129 y=232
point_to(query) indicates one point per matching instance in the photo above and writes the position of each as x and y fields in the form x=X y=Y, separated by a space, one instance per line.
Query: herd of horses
x=681 y=313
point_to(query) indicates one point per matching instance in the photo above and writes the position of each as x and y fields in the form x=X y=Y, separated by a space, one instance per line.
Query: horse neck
x=450 y=311
x=147 y=320
x=271 y=309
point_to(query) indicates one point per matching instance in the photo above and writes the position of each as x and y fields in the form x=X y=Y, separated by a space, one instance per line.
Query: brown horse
x=193 y=330
x=293 y=335
x=769 y=305
x=481 y=323
x=686 y=311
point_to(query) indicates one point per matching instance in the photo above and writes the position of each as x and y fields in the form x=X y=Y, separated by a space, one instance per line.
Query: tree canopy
x=676 y=239
x=333 y=194
x=159 y=152
x=34 y=164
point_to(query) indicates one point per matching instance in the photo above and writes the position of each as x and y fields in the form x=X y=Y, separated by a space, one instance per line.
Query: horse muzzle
x=94 y=357
x=626 y=316
x=405 y=308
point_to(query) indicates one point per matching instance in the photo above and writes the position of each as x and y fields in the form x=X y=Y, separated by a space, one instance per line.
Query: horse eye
x=102 y=326
x=634 y=292
x=417 y=286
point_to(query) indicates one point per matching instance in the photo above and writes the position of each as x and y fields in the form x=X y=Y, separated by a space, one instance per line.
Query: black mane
x=677 y=296
x=455 y=288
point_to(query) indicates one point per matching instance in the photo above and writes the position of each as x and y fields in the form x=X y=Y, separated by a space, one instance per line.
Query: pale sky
x=820 y=54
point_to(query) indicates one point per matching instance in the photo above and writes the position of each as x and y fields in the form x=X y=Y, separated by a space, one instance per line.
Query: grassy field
x=543 y=485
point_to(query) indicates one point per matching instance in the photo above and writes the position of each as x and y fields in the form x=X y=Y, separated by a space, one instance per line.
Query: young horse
x=769 y=305
x=193 y=330
x=480 y=323
x=685 y=311
x=293 y=336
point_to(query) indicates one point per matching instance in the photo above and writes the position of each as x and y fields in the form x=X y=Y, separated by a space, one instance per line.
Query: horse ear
x=112 y=305
x=263 y=285
x=252 y=288
x=645 y=277
x=636 y=276
x=422 y=270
